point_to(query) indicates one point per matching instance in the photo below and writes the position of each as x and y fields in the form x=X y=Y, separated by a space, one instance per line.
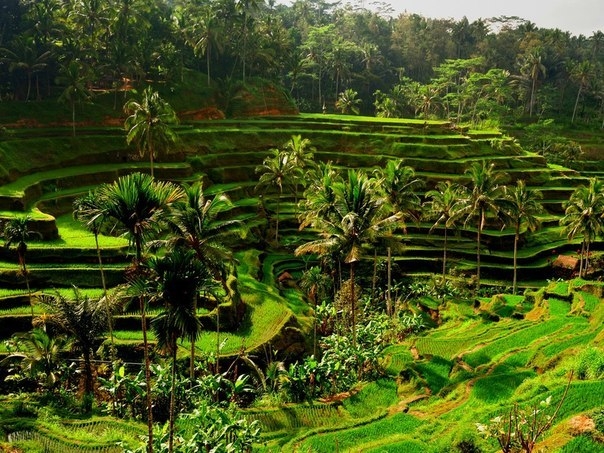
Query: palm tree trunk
x=532 y=97
x=192 y=353
x=88 y=386
x=31 y=302
x=172 y=399
x=389 y=284
x=104 y=284
x=516 y=238
x=143 y=304
x=581 y=258
x=587 y=245
x=277 y=219
x=353 y=306
x=478 y=238
x=445 y=258
x=572 y=121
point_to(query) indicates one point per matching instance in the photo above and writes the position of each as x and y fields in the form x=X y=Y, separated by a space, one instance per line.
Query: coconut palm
x=149 y=124
x=348 y=103
x=137 y=205
x=401 y=188
x=82 y=319
x=175 y=280
x=302 y=154
x=73 y=78
x=359 y=218
x=17 y=231
x=196 y=223
x=88 y=209
x=278 y=170
x=442 y=205
x=583 y=216
x=521 y=206
x=481 y=198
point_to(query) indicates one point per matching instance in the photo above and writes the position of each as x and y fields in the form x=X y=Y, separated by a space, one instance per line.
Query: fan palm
x=138 y=205
x=175 y=281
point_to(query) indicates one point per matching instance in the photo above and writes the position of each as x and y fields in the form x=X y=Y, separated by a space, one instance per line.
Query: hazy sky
x=577 y=16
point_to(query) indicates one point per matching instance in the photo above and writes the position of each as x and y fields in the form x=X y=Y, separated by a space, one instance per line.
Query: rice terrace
x=220 y=252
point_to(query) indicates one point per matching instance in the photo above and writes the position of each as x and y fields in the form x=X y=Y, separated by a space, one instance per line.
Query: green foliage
x=590 y=364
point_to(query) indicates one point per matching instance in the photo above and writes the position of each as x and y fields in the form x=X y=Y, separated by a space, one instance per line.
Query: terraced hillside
x=46 y=169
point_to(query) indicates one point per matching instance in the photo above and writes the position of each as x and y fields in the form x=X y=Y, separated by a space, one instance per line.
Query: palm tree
x=137 y=204
x=40 y=355
x=175 y=281
x=277 y=170
x=17 y=232
x=302 y=154
x=348 y=102
x=84 y=320
x=534 y=67
x=205 y=34
x=583 y=216
x=443 y=204
x=482 y=197
x=88 y=209
x=71 y=76
x=149 y=124
x=581 y=73
x=521 y=206
x=359 y=218
x=315 y=283
x=196 y=223
x=401 y=188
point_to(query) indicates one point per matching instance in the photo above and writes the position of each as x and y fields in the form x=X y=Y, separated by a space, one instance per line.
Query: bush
x=590 y=364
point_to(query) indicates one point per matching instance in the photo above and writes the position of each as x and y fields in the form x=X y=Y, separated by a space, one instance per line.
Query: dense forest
x=329 y=56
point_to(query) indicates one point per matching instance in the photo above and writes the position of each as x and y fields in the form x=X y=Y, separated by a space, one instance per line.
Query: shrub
x=590 y=364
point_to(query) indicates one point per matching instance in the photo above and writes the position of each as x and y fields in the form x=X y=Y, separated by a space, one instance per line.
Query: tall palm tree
x=17 y=232
x=401 y=187
x=73 y=78
x=360 y=216
x=137 y=204
x=533 y=67
x=88 y=210
x=277 y=170
x=84 y=320
x=348 y=102
x=443 y=204
x=583 y=216
x=175 y=281
x=581 y=73
x=302 y=154
x=481 y=198
x=149 y=124
x=521 y=206
x=197 y=224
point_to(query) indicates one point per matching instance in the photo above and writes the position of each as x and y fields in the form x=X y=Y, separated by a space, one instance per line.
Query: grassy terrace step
x=19 y=194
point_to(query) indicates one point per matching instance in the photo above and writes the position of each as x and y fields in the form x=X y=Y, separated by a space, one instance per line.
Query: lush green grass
x=387 y=430
x=372 y=398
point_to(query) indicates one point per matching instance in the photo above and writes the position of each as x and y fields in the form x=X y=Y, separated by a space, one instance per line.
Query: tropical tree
x=88 y=210
x=73 y=79
x=533 y=67
x=137 y=205
x=39 y=356
x=481 y=198
x=175 y=280
x=17 y=232
x=443 y=204
x=84 y=320
x=315 y=284
x=583 y=217
x=360 y=216
x=149 y=124
x=582 y=73
x=277 y=170
x=302 y=155
x=521 y=206
x=197 y=223
x=348 y=102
